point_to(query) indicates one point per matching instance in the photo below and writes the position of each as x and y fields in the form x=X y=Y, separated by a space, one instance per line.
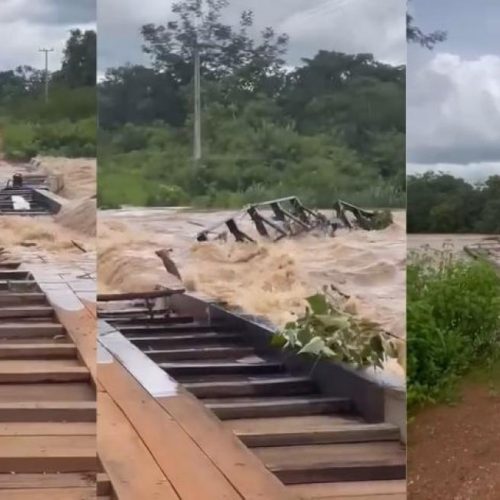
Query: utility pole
x=46 y=51
x=197 y=104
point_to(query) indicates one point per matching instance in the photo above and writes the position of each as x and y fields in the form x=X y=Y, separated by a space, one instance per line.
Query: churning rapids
x=265 y=279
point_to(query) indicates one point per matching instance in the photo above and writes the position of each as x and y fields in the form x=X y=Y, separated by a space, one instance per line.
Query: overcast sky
x=342 y=25
x=28 y=25
x=453 y=92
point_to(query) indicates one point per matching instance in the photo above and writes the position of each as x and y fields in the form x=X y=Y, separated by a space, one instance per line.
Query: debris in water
x=290 y=218
x=168 y=262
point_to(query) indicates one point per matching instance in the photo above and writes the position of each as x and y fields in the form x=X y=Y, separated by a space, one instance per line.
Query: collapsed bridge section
x=28 y=195
x=289 y=217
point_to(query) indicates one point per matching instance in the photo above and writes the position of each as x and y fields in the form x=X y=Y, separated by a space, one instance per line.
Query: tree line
x=66 y=125
x=441 y=203
x=331 y=127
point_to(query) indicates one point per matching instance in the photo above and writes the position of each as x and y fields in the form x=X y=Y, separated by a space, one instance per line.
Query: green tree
x=79 y=63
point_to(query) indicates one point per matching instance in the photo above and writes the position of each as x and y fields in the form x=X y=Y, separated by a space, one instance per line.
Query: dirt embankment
x=454 y=451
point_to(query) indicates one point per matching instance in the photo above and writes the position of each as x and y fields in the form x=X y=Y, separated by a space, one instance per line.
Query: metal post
x=197 y=104
x=46 y=51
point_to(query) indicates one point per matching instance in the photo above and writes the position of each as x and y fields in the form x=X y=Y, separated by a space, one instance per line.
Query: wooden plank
x=38 y=371
x=336 y=462
x=47 y=429
x=132 y=470
x=49 y=454
x=344 y=433
x=148 y=320
x=68 y=391
x=86 y=493
x=81 y=327
x=26 y=285
x=38 y=365
x=22 y=299
x=278 y=407
x=190 y=471
x=199 y=353
x=187 y=328
x=357 y=490
x=37 y=340
x=104 y=486
x=15 y=275
x=133 y=312
x=27 y=330
x=12 y=264
x=309 y=423
x=37 y=351
x=252 y=386
x=21 y=312
x=45 y=481
x=242 y=468
x=58 y=411
x=215 y=368
x=157 y=294
x=159 y=341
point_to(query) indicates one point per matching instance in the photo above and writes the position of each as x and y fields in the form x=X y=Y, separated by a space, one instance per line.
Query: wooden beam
x=157 y=294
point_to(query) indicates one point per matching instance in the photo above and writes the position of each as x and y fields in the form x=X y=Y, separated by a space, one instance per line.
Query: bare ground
x=454 y=451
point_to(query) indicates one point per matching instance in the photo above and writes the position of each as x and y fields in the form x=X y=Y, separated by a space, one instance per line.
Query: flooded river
x=266 y=279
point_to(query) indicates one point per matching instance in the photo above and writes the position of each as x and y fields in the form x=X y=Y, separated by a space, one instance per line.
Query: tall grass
x=65 y=126
x=453 y=321
x=24 y=139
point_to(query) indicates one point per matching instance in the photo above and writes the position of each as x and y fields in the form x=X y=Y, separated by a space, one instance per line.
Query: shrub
x=453 y=322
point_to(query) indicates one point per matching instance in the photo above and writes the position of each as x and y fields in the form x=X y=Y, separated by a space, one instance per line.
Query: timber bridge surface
x=47 y=383
x=204 y=408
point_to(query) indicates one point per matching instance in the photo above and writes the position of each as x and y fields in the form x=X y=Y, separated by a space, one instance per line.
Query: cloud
x=343 y=25
x=26 y=26
x=453 y=109
x=49 y=11
x=471 y=172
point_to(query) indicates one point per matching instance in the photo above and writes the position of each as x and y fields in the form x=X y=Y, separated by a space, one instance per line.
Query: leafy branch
x=327 y=331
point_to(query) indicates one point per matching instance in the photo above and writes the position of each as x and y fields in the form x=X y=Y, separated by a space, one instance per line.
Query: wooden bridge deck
x=47 y=387
x=174 y=445
x=171 y=447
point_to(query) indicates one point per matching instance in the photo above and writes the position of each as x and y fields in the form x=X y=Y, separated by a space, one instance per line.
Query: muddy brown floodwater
x=451 y=242
x=266 y=279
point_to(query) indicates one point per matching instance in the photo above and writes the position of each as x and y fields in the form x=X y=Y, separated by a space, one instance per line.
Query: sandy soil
x=454 y=451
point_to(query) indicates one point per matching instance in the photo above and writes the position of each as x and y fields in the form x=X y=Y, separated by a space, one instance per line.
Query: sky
x=343 y=25
x=28 y=25
x=453 y=92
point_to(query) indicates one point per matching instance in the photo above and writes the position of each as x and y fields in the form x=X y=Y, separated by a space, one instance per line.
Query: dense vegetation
x=441 y=203
x=331 y=127
x=453 y=323
x=66 y=125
